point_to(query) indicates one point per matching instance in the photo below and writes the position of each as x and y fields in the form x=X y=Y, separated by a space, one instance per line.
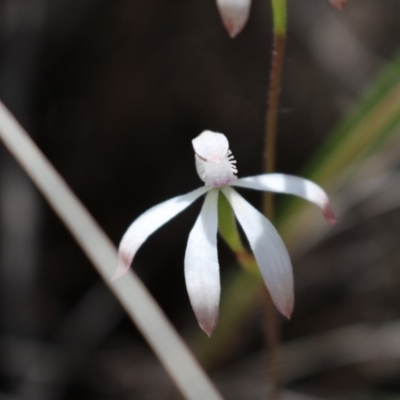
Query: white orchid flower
x=234 y=15
x=216 y=167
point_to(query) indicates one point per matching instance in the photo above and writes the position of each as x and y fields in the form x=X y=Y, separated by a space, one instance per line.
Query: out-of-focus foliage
x=360 y=136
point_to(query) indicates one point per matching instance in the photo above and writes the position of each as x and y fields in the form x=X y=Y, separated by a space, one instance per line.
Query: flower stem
x=273 y=99
x=279 y=12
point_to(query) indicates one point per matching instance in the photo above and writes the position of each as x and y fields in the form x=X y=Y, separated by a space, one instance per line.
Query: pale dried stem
x=130 y=291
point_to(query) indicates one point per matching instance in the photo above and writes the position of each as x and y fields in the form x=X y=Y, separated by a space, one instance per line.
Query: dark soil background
x=113 y=92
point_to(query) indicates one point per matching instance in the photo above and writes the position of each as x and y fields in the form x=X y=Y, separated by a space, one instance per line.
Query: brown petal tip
x=231 y=27
x=329 y=215
x=207 y=328
x=124 y=264
x=288 y=312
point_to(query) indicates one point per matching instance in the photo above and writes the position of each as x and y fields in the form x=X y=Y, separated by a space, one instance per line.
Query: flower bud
x=338 y=4
x=234 y=14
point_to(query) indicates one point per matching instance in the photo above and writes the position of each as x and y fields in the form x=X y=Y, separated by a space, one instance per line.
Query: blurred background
x=113 y=92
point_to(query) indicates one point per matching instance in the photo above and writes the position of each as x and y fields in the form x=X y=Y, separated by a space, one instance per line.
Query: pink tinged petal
x=201 y=265
x=234 y=14
x=338 y=4
x=289 y=184
x=269 y=251
x=149 y=222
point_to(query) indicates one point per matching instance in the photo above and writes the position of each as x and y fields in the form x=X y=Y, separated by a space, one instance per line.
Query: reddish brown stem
x=272 y=115
x=272 y=330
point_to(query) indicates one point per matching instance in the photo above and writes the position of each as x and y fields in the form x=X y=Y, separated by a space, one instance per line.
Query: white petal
x=201 y=265
x=289 y=184
x=234 y=14
x=149 y=222
x=269 y=251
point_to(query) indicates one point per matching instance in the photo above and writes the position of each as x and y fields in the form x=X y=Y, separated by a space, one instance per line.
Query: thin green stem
x=279 y=15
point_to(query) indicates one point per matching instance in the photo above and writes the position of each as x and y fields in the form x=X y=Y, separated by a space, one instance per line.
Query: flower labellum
x=338 y=4
x=217 y=169
x=234 y=15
